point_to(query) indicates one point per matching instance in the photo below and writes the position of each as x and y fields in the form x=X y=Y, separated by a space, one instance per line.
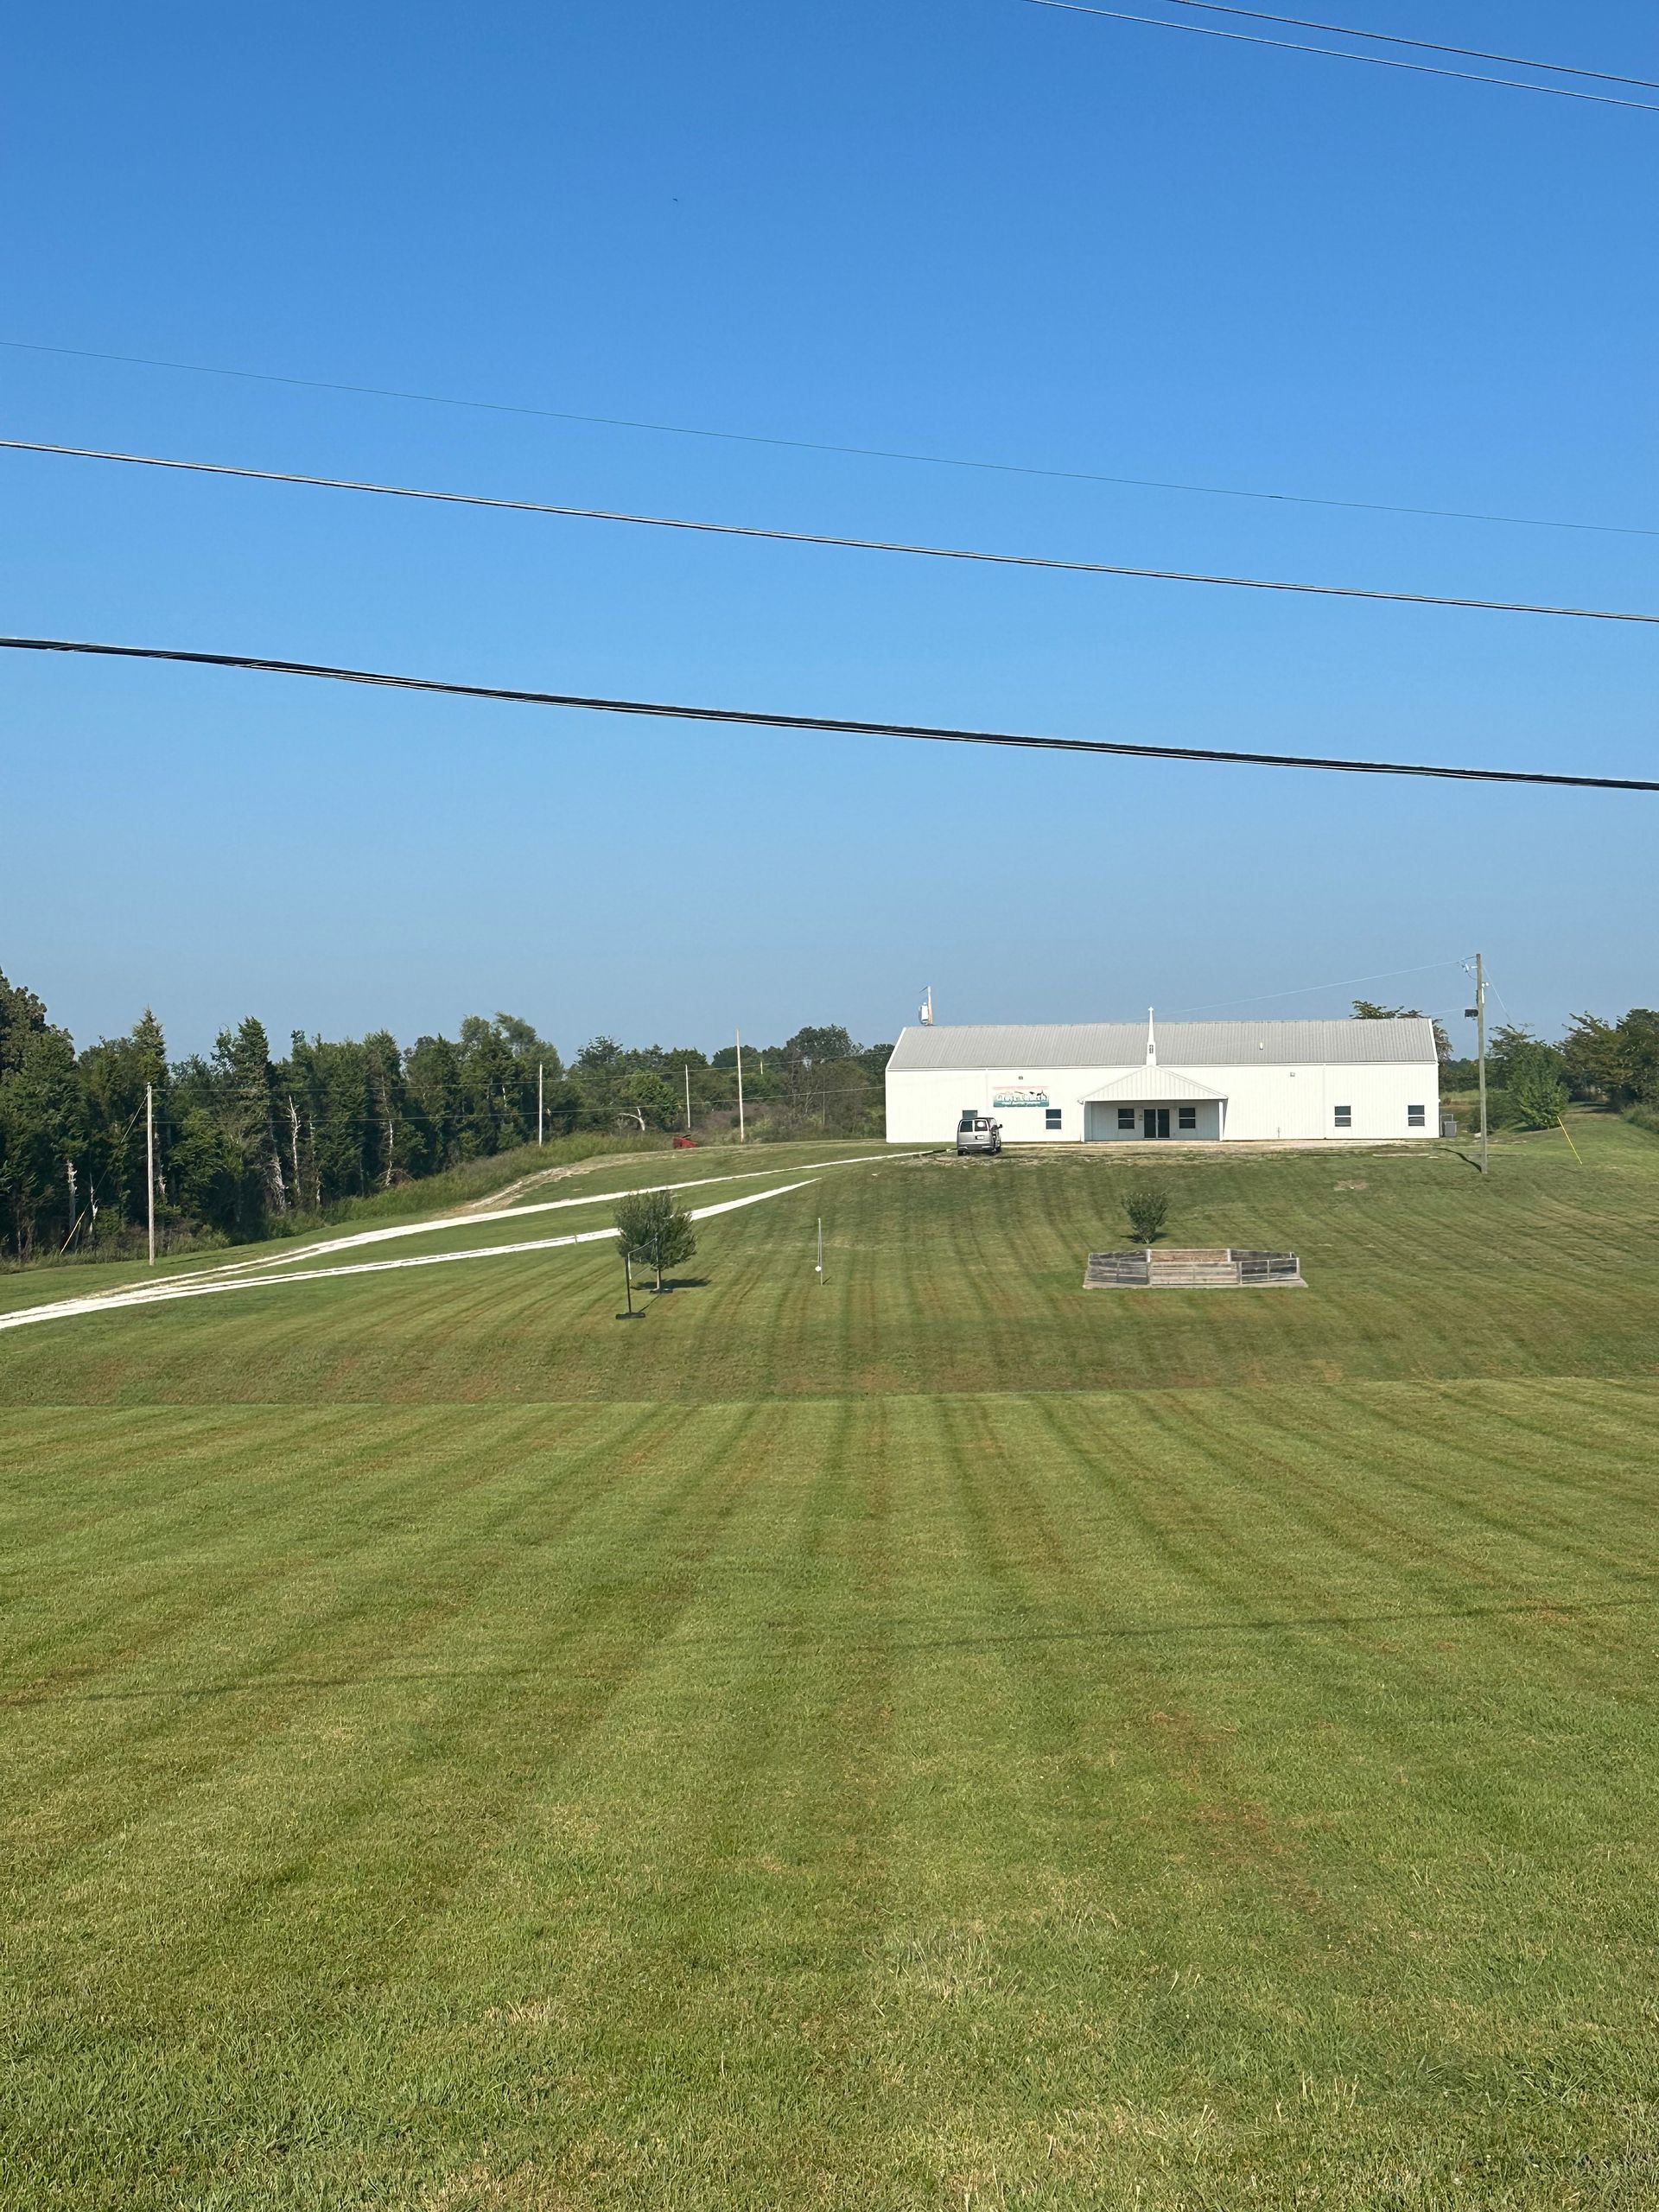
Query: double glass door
x=1155 y=1120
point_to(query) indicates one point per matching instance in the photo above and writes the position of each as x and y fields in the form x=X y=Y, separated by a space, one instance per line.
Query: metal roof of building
x=1011 y=1048
x=1149 y=1086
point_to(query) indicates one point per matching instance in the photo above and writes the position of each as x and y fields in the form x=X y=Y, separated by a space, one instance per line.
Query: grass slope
x=943 y=1740
x=475 y=1183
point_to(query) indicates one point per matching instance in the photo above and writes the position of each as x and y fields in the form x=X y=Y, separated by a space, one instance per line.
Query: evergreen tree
x=387 y=1145
x=491 y=1091
x=42 y=1136
x=22 y=1015
x=243 y=1075
x=114 y=1073
x=432 y=1075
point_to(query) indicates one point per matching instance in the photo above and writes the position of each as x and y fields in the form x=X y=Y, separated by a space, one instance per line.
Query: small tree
x=654 y=1230
x=633 y=1227
x=1147 y=1205
x=1536 y=1093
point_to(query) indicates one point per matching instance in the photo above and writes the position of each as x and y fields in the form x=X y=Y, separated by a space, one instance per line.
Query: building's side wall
x=1299 y=1104
x=1292 y=1104
x=925 y=1103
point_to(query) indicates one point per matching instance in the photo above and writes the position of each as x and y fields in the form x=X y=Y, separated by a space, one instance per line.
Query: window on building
x=1187 y=1117
x=1051 y=1118
x=1344 y=1118
x=1126 y=1118
x=1417 y=1117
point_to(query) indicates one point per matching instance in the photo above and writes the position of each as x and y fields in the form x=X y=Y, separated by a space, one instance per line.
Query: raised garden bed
x=1175 y=1267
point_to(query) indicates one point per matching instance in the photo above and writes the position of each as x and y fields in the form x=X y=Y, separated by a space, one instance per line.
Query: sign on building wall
x=1019 y=1097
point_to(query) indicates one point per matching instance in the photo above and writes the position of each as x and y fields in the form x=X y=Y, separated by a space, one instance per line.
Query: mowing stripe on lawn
x=162 y=1293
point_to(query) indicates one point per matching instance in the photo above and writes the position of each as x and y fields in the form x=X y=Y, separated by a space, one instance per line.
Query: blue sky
x=982 y=228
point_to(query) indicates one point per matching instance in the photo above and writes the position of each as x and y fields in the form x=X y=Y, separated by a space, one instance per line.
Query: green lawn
x=944 y=1740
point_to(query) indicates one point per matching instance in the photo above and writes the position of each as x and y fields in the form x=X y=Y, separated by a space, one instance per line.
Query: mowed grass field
x=941 y=1739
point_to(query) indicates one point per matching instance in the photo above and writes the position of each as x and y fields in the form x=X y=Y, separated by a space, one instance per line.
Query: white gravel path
x=444 y=1222
x=209 y=1286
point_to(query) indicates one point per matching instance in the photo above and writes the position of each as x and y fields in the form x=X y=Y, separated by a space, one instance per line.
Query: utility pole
x=538 y=1101
x=742 y=1135
x=687 y=1098
x=150 y=1164
x=1480 y=1047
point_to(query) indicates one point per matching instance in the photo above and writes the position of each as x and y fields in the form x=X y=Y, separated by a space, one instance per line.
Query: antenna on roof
x=1152 y=1041
x=925 y=1012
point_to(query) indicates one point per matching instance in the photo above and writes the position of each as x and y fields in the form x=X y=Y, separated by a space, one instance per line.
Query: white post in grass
x=820 y=1251
x=538 y=1101
x=742 y=1134
x=150 y=1164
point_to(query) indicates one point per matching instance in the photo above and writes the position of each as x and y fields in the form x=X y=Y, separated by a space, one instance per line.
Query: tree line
x=1609 y=1063
x=1531 y=1079
x=246 y=1143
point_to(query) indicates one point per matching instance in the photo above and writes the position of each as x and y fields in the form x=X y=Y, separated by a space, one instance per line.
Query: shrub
x=1147 y=1205
x=1535 y=1093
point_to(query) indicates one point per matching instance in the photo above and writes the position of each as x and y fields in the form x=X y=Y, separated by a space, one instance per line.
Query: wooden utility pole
x=742 y=1134
x=538 y=1101
x=1480 y=1012
x=149 y=1165
x=687 y=1098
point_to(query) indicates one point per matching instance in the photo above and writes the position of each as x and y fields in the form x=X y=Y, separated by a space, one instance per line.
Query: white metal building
x=1122 y=1082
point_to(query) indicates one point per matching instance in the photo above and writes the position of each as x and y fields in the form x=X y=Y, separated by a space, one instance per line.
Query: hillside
x=940 y=1738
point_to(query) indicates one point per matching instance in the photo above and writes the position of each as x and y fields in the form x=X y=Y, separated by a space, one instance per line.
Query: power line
x=838 y=725
x=1307 y=990
x=1337 y=53
x=821 y=537
x=818 y=445
x=1422 y=45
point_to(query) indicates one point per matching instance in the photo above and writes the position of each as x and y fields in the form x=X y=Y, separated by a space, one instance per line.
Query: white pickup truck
x=978 y=1133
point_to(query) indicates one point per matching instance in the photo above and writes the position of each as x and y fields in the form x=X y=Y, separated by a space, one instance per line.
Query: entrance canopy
x=1152 y=1086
